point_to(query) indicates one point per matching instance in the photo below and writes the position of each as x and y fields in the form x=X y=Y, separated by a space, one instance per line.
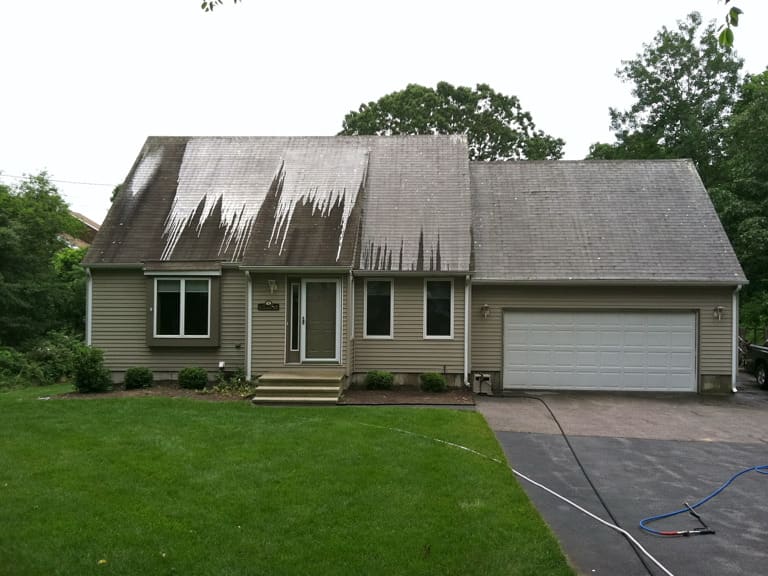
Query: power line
x=4 y=175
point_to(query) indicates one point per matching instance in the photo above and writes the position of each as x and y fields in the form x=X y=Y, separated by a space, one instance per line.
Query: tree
x=35 y=298
x=742 y=201
x=496 y=126
x=209 y=5
x=685 y=87
x=726 y=30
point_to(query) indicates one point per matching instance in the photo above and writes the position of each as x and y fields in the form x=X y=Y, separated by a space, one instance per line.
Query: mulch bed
x=401 y=395
x=161 y=389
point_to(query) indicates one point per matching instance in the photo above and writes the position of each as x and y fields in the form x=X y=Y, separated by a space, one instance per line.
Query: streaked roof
x=622 y=221
x=297 y=202
x=416 y=206
x=260 y=201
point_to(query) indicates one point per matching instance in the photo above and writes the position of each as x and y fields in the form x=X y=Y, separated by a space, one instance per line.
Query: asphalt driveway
x=646 y=454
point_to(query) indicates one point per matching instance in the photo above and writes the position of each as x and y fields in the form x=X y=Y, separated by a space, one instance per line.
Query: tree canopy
x=684 y=86
x=496 y=126
x=41 y=287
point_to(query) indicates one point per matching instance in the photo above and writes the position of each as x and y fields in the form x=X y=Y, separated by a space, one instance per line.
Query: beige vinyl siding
x=269 y=327
x=715 y=337
x=408 y=351
x=119 y=325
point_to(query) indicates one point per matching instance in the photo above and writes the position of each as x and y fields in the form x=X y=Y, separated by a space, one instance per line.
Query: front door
x=320 y=320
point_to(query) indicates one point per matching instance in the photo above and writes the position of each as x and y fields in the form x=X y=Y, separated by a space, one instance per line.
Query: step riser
x=300 y=392
x=291 y=400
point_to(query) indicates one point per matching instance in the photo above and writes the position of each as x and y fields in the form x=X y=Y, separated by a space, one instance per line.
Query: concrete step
x=302 y=391
x=294 y=400
x=308 y=378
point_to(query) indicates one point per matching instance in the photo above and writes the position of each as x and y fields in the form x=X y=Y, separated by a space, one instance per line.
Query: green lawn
x=173 y=486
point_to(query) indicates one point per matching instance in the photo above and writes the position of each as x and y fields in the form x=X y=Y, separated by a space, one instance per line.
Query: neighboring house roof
x=624 y=221
x=85 y=237
x=297 y=202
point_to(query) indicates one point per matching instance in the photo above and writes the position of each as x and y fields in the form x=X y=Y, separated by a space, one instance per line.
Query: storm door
x=320 y=320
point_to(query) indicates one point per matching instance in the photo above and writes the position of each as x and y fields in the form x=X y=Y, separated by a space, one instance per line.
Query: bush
x=17 y=371
x=90 y=374
x=194 y=378
x=55 y=353
x=433 y=382
x=379 y=380
x=233 y=384
x=138 y=377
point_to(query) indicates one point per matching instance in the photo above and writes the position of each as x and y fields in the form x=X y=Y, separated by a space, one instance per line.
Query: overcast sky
x=86 y=81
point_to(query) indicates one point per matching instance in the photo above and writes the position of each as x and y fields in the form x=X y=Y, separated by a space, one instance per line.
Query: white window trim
x=424 y=306
x=391 y=335
x=182 y=303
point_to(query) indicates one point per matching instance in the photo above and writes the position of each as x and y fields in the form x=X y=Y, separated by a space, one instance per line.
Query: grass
x=178 y=486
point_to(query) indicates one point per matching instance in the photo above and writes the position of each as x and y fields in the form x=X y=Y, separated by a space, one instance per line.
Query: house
x=340 y=255
x=85 y=236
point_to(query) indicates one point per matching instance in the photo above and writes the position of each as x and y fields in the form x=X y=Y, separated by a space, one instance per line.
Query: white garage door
x=600 y=350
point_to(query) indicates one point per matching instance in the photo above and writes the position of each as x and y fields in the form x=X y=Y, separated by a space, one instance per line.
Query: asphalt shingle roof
x=416 y=208
x=622 y=221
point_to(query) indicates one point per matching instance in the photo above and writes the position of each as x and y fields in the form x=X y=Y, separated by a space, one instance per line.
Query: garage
x=600 y=350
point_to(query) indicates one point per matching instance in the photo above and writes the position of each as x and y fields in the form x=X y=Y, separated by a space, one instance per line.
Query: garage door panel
x=600 y=350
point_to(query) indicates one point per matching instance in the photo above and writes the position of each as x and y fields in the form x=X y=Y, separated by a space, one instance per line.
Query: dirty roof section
x=416 y=208
x=634 y=221
x=255 y=201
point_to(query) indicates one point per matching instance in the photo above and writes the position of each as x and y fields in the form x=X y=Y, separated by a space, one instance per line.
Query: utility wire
x=4 y=175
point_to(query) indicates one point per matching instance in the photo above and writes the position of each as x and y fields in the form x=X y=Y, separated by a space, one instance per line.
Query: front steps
x=305 y=387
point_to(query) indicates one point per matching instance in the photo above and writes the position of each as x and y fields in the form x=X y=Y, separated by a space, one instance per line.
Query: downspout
x=735 y=355
x=248 y=324
x=88 y=307
x=467 y=327
x=351 y=324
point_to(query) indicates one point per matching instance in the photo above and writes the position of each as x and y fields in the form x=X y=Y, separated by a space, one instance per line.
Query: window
x=379 y=297
x=295 y=315
x=182 y=308
x=438 y=308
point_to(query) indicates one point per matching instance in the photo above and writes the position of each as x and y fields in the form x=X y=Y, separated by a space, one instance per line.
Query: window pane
x=439 y=308
x=196 y=308
x=379 y=308
x=168 y=308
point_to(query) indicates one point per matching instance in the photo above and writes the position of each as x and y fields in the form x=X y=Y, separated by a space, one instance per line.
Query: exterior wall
x=714 y=354
x=409 y=352
x=119 y=326
x=269 y=327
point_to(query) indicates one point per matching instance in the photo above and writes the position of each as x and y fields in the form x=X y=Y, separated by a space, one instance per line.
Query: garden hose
x=691 y=509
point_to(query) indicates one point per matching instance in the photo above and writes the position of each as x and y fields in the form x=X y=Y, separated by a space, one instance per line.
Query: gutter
x=735 y=338
x=248 y=324
x=606 y=282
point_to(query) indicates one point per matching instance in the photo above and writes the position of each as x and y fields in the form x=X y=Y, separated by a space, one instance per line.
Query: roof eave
x=609 y=282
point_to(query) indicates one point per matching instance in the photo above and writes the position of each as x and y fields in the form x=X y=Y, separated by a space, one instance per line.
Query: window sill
x=183 y=342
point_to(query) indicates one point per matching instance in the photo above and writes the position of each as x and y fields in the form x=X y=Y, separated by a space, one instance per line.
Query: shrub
x=433 y=382
x=55 y=353
x=90 y=374
x=233 y=384
x=16 y=370
x=193 y=377
x=138 y=377
x=379 y=380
